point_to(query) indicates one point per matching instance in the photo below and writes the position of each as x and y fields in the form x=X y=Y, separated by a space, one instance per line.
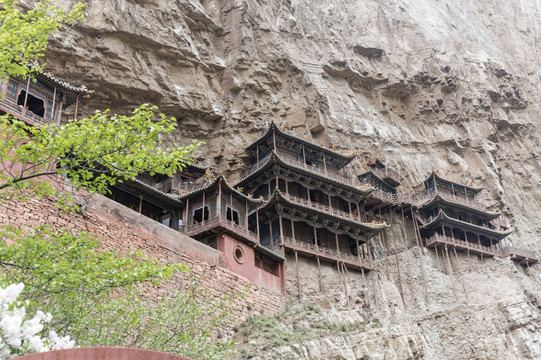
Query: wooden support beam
x=397 y=263
x=319 y=275
x=298 y=276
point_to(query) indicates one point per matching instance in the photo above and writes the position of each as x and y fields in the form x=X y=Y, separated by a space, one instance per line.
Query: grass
x=298 y=324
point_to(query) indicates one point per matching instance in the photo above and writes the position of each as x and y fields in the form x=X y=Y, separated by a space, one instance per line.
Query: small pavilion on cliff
x=216 y=214
x=313 y=208
x=451 y=217
x=40 y=101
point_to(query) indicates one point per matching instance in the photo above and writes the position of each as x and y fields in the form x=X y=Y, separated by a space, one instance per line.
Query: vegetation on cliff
x=93 y=295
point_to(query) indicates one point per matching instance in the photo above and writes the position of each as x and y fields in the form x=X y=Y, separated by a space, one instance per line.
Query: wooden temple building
x=312 y=208
x=451 y=217
x=217 y=215
x=385 y=181
x=39 y=101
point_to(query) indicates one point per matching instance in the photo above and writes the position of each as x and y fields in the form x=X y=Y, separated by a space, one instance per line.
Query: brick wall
x=121 y=228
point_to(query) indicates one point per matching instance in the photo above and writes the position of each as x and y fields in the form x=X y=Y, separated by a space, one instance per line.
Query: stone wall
x=122 y=229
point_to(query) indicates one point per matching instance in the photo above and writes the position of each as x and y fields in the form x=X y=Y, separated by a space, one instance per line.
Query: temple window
x=33 y=103
x=232 y=215
x=200 y=214
x=12 y=89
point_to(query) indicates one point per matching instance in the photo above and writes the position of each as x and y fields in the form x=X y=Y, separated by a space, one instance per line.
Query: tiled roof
x=277 y=196
x=213 y=184
x=274 y=127
x=473 y=189
x=266 y=251
x=442 y=216
x=438 y=197
x=275 y=158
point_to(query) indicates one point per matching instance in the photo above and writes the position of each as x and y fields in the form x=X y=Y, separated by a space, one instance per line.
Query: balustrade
x=387 y=173
x=12 y=108
x=319 y=250
x=462 y=243
x=215 y=221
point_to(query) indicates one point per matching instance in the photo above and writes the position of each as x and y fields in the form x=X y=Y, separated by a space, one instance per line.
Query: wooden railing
x=393 y=198
x=463 y=244
x=387 y=173
x=325 y=208
x=511 y=250
x=171 y=185
x=319 y=250
x=215 y=221
x=12 y=108
x=421 y=199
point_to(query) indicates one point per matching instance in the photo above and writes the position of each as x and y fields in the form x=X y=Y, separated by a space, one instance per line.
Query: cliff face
x=450 y=85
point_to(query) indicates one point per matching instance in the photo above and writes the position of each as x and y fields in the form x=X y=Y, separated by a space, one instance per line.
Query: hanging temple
x=296 y=199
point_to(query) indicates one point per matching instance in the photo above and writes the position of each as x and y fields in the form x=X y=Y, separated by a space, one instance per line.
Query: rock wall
x=449 y=85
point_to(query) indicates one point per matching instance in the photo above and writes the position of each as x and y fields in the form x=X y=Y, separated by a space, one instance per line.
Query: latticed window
x=12 y=89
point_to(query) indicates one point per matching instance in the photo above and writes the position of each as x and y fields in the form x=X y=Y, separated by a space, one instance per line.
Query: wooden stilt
x=298 y=276
x=451 y=273
x=408 y=262
x=382 y=236
x=437 y=257
x=460 y=276
x=319 y=273
x=374 y=287
x=416 y=230
x=397 y=262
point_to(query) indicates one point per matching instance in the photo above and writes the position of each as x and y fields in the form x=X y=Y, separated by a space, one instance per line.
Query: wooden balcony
x=423 y=198
x=523 y=257
x=174 y=186
x=318 y=206
x=391 y=198
x=217 y=222
x=324 y=253
x=390 y=176
x=9 y=106
x=461 y=245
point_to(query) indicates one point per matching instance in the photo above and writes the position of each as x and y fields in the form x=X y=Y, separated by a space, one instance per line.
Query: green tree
x=24 y=35
x=87 y=289
x=93 y=153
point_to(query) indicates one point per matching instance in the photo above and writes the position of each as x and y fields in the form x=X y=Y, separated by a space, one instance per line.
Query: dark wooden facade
x=39 y=101
x=313 y=208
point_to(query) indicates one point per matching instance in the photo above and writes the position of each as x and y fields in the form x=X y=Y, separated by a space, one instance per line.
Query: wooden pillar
x=324 y=164
x=203 y=209
x=397 y=262
x=246 y=216
x=219 y=203
x=292 y=228
x=257 y=155
x=421 y=253
x=281 y=228
x=53 y=108
x=76 y=107
x=480 y=249
x=303 y=156
x=271 y=233
x=298 y=276
x=319 y=274
x=274 y=139
x=315 y=239
x=437 y=257
x=186 y=213
x=337 y=245
x=350 y=212
x=269 y=189
x=257 y=224
x=174 y=219
x=382 y=236
x=26 y=96
x=141 y=203
x=287 y=187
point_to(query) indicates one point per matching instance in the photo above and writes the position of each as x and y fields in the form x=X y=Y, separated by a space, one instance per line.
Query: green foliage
x=185 y=323
x=93 y=298
x=24 y=35
x=60 y=268
x=93 y=153
x=298 y=324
